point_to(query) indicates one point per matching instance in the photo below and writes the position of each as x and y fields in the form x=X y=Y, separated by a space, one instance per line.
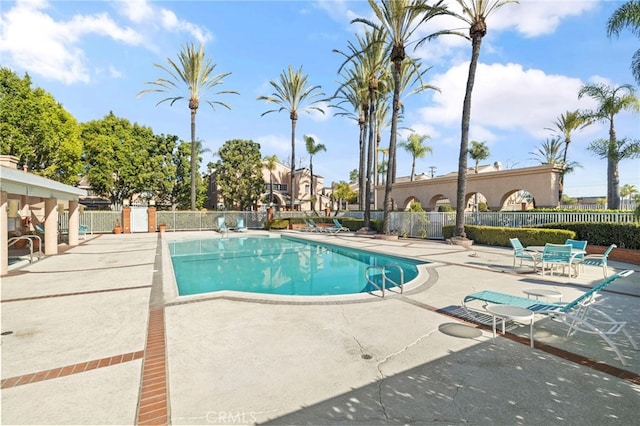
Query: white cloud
x=170 y=21
x=136 y=10
x=505 y=97
x=52 y=50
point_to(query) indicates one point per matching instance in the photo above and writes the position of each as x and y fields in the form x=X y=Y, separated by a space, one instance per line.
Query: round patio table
x=511 y=313
x=543 y=292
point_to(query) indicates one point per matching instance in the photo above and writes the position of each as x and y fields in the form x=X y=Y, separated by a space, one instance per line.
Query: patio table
x=574 y=252
x=511 y=313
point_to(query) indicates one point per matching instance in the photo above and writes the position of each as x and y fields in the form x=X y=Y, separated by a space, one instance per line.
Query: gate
x=139 y=219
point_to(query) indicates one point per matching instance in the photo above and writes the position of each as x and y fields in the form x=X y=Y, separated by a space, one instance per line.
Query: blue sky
x=94 y=57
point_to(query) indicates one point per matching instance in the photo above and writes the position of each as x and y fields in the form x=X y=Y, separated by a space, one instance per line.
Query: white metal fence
x=410 y=224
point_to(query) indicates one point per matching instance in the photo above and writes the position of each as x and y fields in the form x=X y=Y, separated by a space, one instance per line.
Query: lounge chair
x=578 y=314
x=599 y=259
x=240 y=225
x=222 y=226
x=315 y=227
x=519 y=252
x=337 y=227
x=307 y=226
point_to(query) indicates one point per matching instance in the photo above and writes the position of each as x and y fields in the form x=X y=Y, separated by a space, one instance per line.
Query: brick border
x=67 y=370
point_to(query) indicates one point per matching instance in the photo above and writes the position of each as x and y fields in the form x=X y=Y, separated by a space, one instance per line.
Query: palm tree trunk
x=311 y=202
x=397 y=63
x=567 y=141
x=193 y=158
x=464 y=138
x=372 y=120
x=293 y=158
x=363 y=151
x=413 y=168
x=613 y=173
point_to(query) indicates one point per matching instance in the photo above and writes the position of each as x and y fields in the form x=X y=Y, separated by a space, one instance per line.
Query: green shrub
x=445 y=208
x=276 y=224
x=499 y=236
x=624 y=235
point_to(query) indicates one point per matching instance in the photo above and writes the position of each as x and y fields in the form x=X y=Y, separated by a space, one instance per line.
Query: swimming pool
x=284 y=266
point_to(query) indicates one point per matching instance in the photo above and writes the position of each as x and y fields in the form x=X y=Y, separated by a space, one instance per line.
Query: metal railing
x=406 y=224
x=384 y=278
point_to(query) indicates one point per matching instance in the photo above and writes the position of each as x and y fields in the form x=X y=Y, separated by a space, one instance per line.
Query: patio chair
x=82 y=231
x=580 y=245
x=599 y=259
x=519 y=252
x=337 y=227
x=240 y=224
x=579 y=314
x=307 y=226
x=556 y=255
x=222 y=226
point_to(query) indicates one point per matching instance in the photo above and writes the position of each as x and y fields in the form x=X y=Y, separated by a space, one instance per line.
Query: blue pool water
x=277 y=266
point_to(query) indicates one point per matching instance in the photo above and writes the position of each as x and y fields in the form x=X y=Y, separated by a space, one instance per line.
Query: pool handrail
x=382 y=268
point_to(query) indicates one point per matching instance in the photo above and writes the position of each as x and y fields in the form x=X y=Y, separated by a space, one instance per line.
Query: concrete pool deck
x=97 y=338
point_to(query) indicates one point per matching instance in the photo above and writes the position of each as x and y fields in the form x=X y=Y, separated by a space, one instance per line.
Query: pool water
x=278 y=266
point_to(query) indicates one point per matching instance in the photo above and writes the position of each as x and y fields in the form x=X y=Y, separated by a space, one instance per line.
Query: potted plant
x=117 y=229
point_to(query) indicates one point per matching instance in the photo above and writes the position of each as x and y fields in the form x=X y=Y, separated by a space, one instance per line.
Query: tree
x=565 y=125
x=549 y=152
x=628 y=191
x=399 y=19
x=627 y=16
x=414 y=145
x=239 y=173
x=194 y=71
x=342 y=192
x=611 y=101
x=353 y=176
x=474 y=14
x=294 y=95
x=270 y=163
x=181 y=194
x=38 y=130
x=312 y=148
x=479 y=151
x=121 y=158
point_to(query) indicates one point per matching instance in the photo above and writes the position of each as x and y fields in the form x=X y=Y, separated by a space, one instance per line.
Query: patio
x=98 y=337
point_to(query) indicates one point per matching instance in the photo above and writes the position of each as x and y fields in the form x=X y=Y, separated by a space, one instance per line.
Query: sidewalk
x=87 y=326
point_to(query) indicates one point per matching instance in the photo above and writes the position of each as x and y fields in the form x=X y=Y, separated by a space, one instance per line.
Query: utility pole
x=432 y=170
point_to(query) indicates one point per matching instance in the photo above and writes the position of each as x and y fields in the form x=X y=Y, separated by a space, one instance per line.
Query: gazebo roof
x=18 y=182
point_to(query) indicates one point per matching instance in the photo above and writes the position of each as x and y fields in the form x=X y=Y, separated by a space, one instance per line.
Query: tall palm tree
x=195 y=72
x=294 y=95
x=627 y=16
x=611 y=101
x=312 y=148
x=399 y=19
x=628 y=191
x=549 y=152
x=354 y=93
x=565 y=125
x=479 y=151
x=415 y=146
x=474 y=14
x=270 y=164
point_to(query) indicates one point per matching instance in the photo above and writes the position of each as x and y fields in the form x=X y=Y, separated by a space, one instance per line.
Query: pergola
x=32 y=190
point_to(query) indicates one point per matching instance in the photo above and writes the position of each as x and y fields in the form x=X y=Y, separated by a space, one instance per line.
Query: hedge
x=349 y=222
x=624 y=235
x=499 y=236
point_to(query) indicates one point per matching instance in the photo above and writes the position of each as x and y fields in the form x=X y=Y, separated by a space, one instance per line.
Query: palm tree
x=399 y=19
x=293 y=95
x=474 y=14
x=415 y=146
x=627 y=16
x=565 y=125
x=194 y=71
x=312 y=148
x=479 y=151
x=270 y=164
x=628 y=191
x=549 y=152
x=611 y=101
